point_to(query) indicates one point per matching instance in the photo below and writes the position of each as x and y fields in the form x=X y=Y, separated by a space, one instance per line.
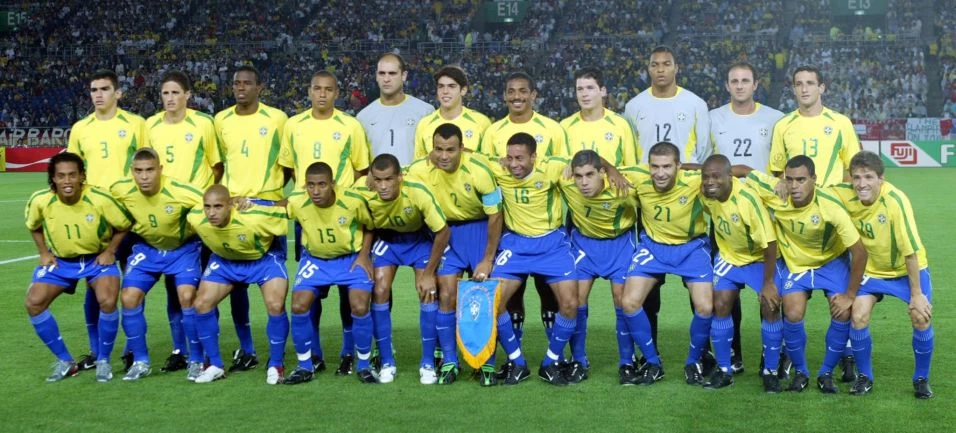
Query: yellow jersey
x=249 y=147
x=887 y=228
x=333 y=231
x=188 y=149
x=414 y=208
x=338 y=141
x=605 y=216
x=107 y=146
x=611 y=137
x=742 y=225
x=472 y=123
x=85 y=227
x=550 y=136
x=675 y=216
x=248 y=234
x=532 y=205
x=828 y=139
x=161 y=219
x=807 y=237
x=469 y=193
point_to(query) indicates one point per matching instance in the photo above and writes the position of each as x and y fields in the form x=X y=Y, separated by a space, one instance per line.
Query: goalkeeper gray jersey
x=681 y=119
x=391 y=129
x=744 y=138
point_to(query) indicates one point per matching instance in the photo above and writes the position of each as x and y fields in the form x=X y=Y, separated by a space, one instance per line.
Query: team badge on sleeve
x=477 y=320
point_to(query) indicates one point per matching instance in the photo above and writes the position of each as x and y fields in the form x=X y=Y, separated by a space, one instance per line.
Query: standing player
x=534 y=243
x=742 y=129
x=452 y=86
x=602 y=240
x=519 y=96
x=673 y=240
x=597 y=128
x=105 y=140
x=410 y=231
x=188 y=149
x=814 y=233
x=331 y=136
x=240 y=244
x=748 y=248
x=884 y=217
x=158 y=205
x=391 y=119
x=250 y=135
x=77 y=229
x=465 y=189
x=336 y=243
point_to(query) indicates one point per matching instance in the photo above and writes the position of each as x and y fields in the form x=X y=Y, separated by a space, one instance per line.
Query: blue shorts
x=602 y=258
x=316 y=274
x=898 y=287
x=730 y=277
x=392 y=248
x=258 y=271
x=466 y=248
x=832 y=277
x=690 y=260
x=146 y=264
x=68 y=272
x=547 y=255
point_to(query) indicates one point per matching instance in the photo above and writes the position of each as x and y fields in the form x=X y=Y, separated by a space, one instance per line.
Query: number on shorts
x=503 y=257
x=308 y=270
x=638 y=257
x=379 y=248
x=136 y=259
x=721 y=267
x=581 y=255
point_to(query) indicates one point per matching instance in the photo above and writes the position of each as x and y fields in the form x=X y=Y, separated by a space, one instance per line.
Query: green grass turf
x=243 y=402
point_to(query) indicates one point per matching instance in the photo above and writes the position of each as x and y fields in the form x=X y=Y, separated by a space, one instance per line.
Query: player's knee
x=203 y=305
x=34 y=304
x=919 y=322
x=186 y=298
x=359 y=308
x=447 y=298
x=299 y=306
x=108 y=304
x=860 y=319
x=275 y=307
x=723 y=307
x=131 y=299
x=793 y=314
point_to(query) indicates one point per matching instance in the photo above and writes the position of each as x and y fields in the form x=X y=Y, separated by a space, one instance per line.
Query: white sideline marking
x=18 y=241
x=13 y=201
x=20 y=259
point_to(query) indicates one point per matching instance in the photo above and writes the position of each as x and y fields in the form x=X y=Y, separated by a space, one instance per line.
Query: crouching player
x=158 y=205
x=896 y=265
x=240 y=244
x=336 y=238
x=747 y=251
x=77 y=229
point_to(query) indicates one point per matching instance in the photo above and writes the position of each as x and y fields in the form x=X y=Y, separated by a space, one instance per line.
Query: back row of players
x=453 y=198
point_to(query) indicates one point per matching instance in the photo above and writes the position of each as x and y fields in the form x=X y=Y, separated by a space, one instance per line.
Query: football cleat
x=387 y=374
x=771 y=384
x=367 y=376
x=784 y=366
x=62 y=370
x=299 y=375
x=517 y=374
x=345 y=365
x=862 y=386
x=736 y=364
x=719 y=379
x=628 y=375
x=127 y=360
x=87 y=362
x=848 y=364
x=137 y=371
x=274 y=374
x=576 y=372
x=487 y=376
x=193 y=370
x=799 y=382
x=318 y=364
x=447 y=374
x=694 y=374
x=652 y=373
x=504 y=370
x=707 y=363
x=826 y=385
x=175 y=362
x=376 y=359
x=439 y=357
x=104 y=372
x=921 y=389
x=427 y=376
x=552 y=374
x=210 y=374
x=242 y=361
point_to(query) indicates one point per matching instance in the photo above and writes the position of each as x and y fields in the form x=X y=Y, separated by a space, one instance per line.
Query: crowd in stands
x=946 y=29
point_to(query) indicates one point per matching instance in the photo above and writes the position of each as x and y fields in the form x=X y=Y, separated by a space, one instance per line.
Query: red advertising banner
x=889 y=129
x=30 y=158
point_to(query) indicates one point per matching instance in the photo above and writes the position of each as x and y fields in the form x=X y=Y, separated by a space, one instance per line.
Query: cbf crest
x=407 y=210
x=609 y=136
x=827 y=130
x=735 y=218
x=410 y=121
x=122 y=133
x=336 y=135
x=242 y=237
x=606 y=205
x=263 y=131
x=169 y=209
x=89 y=217
x=469 y=133
x=764 y=132
x=682 y=200
x=681 y=117
x=342 y=221
x=538 y=185
x=539 y=138
x=881 y=218
x=468 y=187
x=815 y=219
x=188 y=137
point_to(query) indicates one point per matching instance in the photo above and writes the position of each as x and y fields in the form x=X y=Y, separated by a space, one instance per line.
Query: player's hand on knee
x=427 y=289
x=106 y=258
x=840 y=305
x=770 y=296
x=363 y=262
x=482 y=271
x=920 y=308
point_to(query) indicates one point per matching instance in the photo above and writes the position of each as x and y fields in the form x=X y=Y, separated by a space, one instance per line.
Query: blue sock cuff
x=109 y=316
x=839 y=324
x=698 y=316
x=360 y=317
x=429 y=307
x=618 y=311
x=304 y=315
x=787 y=323
x=46 y=315
x=503 y=318
x=722 y=323
x=859 y=334
x=565 y=322
x=133 y=311
x=923 y=335
x=189 y=311
x=279 y=316
x=582 y=308
x=210 y=313
x=636 y=312
x=380 y=307
x=446 y=313
x=771 y=326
